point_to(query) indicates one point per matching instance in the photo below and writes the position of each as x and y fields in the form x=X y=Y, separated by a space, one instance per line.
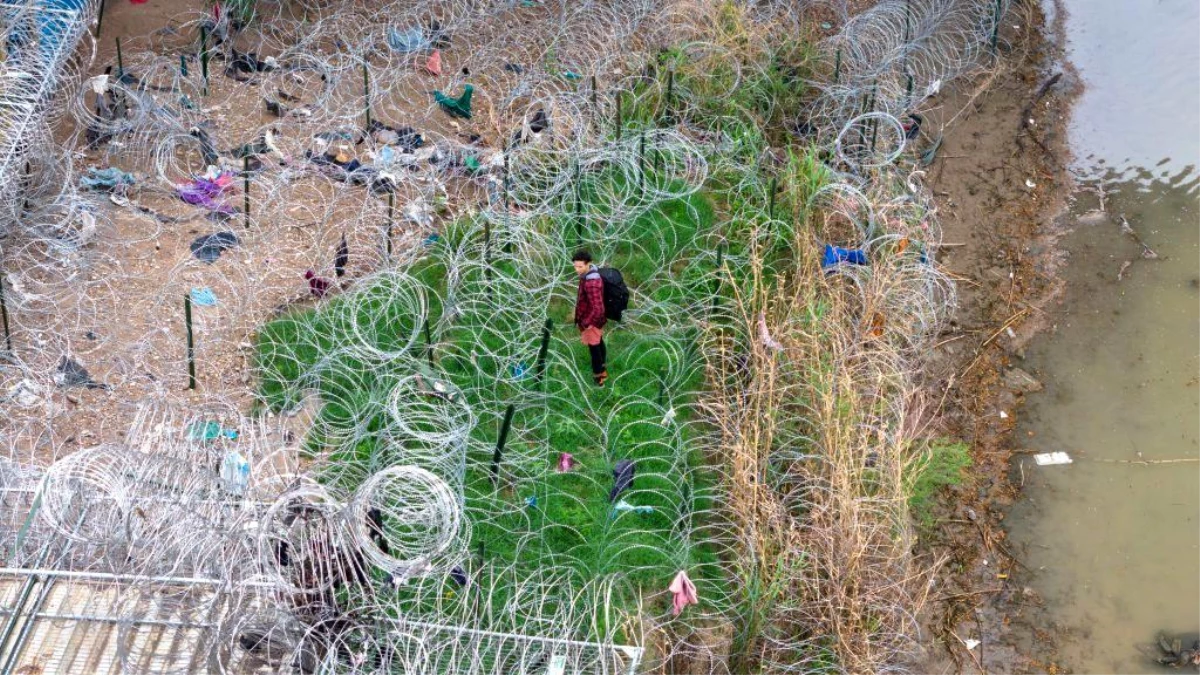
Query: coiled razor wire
x=139 y=488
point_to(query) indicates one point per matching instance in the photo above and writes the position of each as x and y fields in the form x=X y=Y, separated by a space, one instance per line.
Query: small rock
x=1020 y=381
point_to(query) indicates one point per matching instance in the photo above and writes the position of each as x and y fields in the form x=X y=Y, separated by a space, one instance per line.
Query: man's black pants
x=599 y=354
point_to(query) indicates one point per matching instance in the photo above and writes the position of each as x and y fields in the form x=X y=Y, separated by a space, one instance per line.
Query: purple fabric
x=206 y=193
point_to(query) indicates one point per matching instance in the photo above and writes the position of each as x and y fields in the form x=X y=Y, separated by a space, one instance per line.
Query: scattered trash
x=1124 y=267
x=318 y=286
x=558 y=665
x=406 y=138
x=431 y=239
x=1030 y=184
x=934 y=88
x=209 y=247
x=625 y=507
x=1021 y=381
x=456 y=107
x=26 y=393
x=1052 y=458
x=206 y=432
x=70 y=373
x=459 y=575
x=408 y=40
x=668 y=418
x=106 y=180
x=836 y=255
x=341 y=258
x=513 y=68
x=1147 y=252
x=1003 y=415
x=206 y=190
x=1174 y=655
x=971 y=644
x=912 y=127
x=235 y=471
x=433 y=64
x=566 y=462
x=531 y=502
x=572 y=75
x=930 y=154
x=684 y=592
x=203 y=297
x=765 y=336
x=623 y=474
x=434 y=387
x=518 y=371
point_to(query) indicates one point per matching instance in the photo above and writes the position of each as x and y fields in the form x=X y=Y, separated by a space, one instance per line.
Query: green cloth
x=456 y=107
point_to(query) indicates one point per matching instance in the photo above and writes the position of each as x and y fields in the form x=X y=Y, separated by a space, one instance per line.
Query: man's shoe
x=600 y=378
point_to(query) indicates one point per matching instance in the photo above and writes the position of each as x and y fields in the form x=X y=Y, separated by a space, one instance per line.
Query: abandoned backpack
x=616 y=293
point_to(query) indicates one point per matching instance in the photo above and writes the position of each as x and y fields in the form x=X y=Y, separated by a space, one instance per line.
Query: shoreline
x=1008 y=268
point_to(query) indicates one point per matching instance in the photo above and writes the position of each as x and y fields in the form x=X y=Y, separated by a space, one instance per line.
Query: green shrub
x=943 y=463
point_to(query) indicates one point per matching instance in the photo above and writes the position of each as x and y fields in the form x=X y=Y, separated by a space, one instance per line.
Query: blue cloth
x=203 y=297
x=836 y=255
x=105 y=179
x=408 y=40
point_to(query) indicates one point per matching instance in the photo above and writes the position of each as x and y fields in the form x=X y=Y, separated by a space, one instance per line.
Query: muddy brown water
x=1116 y=543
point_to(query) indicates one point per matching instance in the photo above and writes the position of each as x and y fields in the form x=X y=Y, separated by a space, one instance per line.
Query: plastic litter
x=108 y=179
x=836 y=255
x=203 y=297
x=433 y=64
x=1052 y=458
x=235 y=471
x=209 y=247
x=623 y=474
x=625 y=507
x=531 y=502
x=518 y=371
x=206 y=432
x=206 y=191
x=26 y=393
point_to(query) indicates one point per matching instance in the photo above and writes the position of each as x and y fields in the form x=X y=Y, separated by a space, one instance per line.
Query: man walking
x=589 y=313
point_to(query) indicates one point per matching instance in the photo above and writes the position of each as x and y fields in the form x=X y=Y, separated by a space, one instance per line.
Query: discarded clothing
x=318 y=286
x=206 y=192
x=684 y=592
x=209 y=247
x=408 y=40
x=836 y=255
x=459 y=575
x=456 y=107
x=433 y=64
x=566 y=462
x=623 y=474
x=203 y=297
x=341 y=258
x=71 y=374
x=540 y=122
x=405 y=138
x=518 y=371
x=108 y=179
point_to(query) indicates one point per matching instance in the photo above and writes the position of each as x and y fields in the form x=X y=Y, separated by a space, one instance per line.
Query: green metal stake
x=487 y=249
x=996 y=25
x=183 y=65
x=642 y=162
x=391 y=222
x=246 y=188
x=594 y=88
x=428 y=344
x=619 y=121
x=837 y=67
x=367 y=92
x=4 y=316
x=204 y=60
x=499 y=452
x=99 y=19
x=669 y=118
x=578 y=209
x=191 y=345
x=717 y=281
x=771 y=202
x=541 y=357
x=120 y=60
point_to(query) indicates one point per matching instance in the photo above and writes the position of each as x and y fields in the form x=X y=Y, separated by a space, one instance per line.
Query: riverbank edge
x=985 y=617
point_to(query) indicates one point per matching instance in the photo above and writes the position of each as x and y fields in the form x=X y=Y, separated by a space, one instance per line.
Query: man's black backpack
x=616 y=293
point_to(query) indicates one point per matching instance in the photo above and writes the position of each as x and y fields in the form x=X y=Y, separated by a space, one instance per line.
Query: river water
x=1116 y=544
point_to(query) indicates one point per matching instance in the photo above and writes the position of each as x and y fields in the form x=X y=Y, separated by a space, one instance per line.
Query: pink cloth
x=565 y=462
x=684 y=591
x=433 y=65
x=591 y=336
x=318 y=286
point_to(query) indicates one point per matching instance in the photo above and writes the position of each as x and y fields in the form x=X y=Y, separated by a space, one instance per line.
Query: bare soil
x=1001 y=183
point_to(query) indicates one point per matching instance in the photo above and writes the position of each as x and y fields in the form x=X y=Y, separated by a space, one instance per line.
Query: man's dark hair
x=582 y=255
